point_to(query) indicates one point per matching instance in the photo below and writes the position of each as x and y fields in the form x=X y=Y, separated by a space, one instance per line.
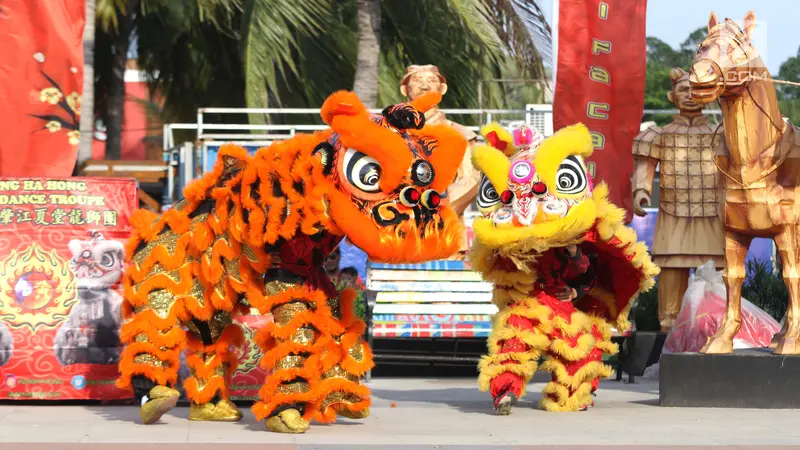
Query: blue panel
x=353 y=256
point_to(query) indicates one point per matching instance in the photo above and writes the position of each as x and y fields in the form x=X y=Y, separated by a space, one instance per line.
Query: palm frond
x=270 y=31
x=107 y=13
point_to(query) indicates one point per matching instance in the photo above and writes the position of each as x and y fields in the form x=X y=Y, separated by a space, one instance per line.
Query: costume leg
x=575 y=360
x=212 y=362
x=159 y=286
x=517 y=341
x=150 y=361
x=672 y=284
x=293 y=346
x=344 y=364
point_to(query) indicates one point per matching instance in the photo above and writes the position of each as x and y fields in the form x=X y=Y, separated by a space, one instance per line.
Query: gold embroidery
x=273 y=288
x=338 y=372
x=298 y=387
x=146 y=358
x=304 y=336
x=290 y=362
x=161 y=302
x=284 y=313
x=357 y=351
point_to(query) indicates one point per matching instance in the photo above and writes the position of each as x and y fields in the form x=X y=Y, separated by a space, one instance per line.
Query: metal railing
x=192 y=159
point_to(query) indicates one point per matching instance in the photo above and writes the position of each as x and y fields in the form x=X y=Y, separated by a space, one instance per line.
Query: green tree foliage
x=661 y=58
x=788 y=95
x=765 y=289
x=278 y=53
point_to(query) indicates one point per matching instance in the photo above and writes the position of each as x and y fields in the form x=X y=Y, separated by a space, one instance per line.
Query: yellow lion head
x=542 y=196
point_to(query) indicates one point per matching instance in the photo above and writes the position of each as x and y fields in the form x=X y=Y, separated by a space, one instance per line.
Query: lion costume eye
x=571 y=176
x=487 y=195
x=107 y=260
x=362 y=171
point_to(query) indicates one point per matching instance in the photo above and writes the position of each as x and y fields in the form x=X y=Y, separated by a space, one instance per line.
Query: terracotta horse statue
x=759 y=157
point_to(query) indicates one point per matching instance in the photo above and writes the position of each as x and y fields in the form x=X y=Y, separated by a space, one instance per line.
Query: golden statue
x=759 y=158
x=689 y=228
x=419 y=79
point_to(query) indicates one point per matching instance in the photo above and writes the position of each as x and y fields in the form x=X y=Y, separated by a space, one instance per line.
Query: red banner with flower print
x=600 y=75
x=41 y=81
x=61 y=261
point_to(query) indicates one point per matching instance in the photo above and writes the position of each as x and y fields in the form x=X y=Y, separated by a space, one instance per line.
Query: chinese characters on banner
x=41 y=82
x=61 y=262
x=600 y=78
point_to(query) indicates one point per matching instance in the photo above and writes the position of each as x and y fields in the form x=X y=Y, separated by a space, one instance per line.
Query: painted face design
x=528 y=200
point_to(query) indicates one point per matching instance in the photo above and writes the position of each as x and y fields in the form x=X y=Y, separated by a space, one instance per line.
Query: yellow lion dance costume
x=255 y=232
x=562 y=263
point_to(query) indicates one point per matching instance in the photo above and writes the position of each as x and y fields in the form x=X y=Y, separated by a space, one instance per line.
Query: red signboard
x=61 y=260
x=41 y=81
x=600 y=76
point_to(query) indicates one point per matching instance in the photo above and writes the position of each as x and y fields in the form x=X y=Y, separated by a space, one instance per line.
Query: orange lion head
x=388 y=178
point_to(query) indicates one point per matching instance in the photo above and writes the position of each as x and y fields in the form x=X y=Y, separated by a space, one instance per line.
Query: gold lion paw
x=287 y=421
x=351 y=414
x=223 y=411
x=159 y=400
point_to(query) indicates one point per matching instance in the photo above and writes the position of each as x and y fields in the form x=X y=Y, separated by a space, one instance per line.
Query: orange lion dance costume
x=255 y=232
x=562 y=263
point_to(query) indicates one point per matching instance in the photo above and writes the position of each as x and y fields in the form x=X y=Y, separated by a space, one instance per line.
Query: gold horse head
x=725 y=60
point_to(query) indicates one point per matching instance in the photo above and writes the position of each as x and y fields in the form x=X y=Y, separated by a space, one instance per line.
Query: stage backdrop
x=41 y=82
x=61 y=261
x=600 y=75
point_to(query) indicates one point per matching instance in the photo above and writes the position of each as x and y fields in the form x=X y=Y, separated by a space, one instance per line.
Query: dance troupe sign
x=62 y=246
x=600 y=76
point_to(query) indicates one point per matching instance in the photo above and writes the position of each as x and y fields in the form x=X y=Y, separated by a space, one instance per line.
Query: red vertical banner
x=41 y=83
x=600 y=78
x=62 y=246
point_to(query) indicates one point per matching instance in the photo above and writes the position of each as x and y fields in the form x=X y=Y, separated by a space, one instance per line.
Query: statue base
x=748 y=378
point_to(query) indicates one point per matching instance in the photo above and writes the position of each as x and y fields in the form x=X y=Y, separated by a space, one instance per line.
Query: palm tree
x=283 y=53
x=368 y=18
x=151 y=22
x=87 y=99
x=334 y=48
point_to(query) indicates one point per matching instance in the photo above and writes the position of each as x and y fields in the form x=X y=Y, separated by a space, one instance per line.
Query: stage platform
x=751 y=378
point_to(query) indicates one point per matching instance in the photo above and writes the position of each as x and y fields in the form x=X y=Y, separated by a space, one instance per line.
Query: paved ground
x=415 y=413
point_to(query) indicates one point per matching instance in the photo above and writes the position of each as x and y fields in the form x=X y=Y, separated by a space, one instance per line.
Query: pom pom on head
x=525 y=137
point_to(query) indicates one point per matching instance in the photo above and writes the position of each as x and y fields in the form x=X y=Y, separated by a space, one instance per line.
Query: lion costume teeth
x=254 y=233
x=548 y=232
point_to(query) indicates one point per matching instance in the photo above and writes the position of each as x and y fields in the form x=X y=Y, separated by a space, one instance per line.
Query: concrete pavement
x=415 y=413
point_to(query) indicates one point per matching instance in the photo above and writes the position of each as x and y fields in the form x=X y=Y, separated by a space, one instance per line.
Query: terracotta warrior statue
x=689 y=228
x=419 y=79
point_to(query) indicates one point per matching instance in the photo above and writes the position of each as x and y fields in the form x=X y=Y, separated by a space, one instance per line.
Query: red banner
x=600 y=77
x=61 y=261
x=41 y=81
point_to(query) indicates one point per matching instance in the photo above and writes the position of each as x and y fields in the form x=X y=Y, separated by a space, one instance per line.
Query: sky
x=776 y=36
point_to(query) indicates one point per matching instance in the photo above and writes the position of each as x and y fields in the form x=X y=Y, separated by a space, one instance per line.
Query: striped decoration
x=430 y=265
x=437 y=299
